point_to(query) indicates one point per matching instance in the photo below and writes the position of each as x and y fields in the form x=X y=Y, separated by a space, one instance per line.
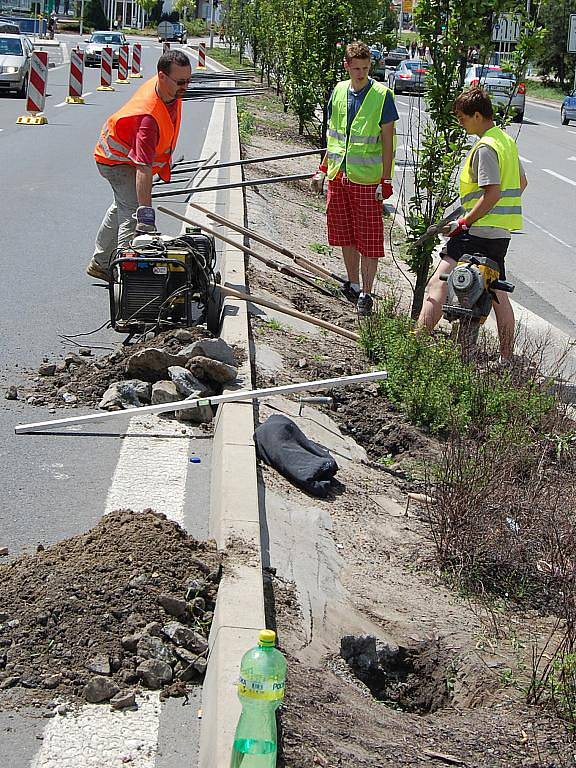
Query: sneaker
x=364 y=305
x=95 y=270
x=351 y=294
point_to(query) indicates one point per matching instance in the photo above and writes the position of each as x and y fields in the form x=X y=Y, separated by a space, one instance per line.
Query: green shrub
x=196 y=27
x=429 y=382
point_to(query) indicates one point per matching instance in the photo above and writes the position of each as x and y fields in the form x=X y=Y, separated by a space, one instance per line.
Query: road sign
x=506 y=28
x=572 y=34
x=407 y=6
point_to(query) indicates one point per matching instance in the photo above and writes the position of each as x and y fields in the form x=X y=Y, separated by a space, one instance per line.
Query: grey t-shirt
x=485 y=170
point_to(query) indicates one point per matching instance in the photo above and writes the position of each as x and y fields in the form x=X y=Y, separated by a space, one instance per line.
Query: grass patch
x=540 y=91
x=324 y=250
x=246 y=120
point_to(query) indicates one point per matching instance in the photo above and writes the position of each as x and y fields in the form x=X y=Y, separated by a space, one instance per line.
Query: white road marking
x=98 y=737
x=559 y=176
x=548 y=125
x=524 y=159
x=572 y=132
x=558 y=240
x=162 y=461
x=62 y=104
x=572 y=158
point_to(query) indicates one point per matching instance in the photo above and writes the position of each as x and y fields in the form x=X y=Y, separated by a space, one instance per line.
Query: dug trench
x=387 y=666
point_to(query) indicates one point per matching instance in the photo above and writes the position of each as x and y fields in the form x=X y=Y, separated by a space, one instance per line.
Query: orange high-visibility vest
x=116 y=137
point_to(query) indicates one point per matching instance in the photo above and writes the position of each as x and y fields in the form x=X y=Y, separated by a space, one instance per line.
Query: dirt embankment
x=442 y=682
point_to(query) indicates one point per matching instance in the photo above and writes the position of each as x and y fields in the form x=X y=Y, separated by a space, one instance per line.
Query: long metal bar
x=254 y=183
x=231 y=397
x=282 y=268
x=300 y=260
x=251 y=160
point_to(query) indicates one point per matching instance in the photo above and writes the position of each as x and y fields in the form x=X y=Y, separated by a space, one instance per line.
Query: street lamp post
x=81 y=17
x=211 y=24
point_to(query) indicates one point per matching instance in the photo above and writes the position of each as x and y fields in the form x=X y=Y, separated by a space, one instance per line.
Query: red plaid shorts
x=354 y=217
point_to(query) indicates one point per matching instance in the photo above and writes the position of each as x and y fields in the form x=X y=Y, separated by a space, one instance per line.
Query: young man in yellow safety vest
x=358 y=163
x=492 y=181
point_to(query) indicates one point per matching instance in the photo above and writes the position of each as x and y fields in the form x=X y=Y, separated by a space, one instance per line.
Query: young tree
x=553 y=58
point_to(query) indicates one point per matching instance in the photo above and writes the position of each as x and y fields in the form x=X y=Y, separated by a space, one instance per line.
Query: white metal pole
x=254 y=394
x=211 y=24
x=81 y=17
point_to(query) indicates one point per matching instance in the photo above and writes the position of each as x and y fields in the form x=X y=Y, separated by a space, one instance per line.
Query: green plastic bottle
x=261 y=691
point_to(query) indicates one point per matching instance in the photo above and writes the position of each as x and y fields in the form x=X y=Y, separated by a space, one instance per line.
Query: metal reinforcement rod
x=231 y=397
x=249 y=161
x=253 y=183
x=300 y=260
x=282 y=268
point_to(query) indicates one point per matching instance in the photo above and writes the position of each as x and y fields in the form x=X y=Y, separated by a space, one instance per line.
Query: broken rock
x=200 y=414
x=173 y=605
x=152 y=364
x=154 y=648
x=126 y=394
x=214 y=370
x=123 y=700
x=165 y=392
x=47 y=369
x=99 y=689
x=154 y=673
x=185 y=637
x=11 y=393
x=216 y=349
x=187 y=384
x=100 y=665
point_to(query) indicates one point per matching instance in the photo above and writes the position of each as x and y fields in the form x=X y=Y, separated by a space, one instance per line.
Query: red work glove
x=456 y=228
x=384 y=190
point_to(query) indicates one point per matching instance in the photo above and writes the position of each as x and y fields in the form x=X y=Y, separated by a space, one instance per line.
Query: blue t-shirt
x=355 y=99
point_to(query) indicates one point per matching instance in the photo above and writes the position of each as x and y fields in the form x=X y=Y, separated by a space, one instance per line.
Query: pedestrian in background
x=135 y=143
x=492 y=181
x=413 y=48
x=358 y=163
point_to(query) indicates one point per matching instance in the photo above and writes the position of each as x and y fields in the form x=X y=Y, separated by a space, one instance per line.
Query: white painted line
x=572 y=158
x=524 y=159
x=548 y=125
x=62 y=104
x=559 y=176
x=572 y=132
x=88 y=93
x=558 y=240
x=98 y=737
x=162 y=461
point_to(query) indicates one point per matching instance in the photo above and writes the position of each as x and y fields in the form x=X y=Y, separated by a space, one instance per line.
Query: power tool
x=161 y=281
x=471 y=290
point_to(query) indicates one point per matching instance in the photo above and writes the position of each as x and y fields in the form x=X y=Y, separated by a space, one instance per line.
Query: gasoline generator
x=160 y=282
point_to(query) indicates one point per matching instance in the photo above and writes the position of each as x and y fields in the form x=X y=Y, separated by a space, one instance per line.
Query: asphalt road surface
x=52 y=487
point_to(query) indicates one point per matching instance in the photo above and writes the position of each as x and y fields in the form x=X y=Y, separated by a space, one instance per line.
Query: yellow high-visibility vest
x=363 y=147
x=507 y=213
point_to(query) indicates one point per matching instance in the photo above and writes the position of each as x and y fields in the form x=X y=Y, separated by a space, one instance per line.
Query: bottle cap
x=267 y=637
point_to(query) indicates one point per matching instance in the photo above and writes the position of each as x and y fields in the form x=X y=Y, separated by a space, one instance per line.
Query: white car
x=501 y=87
x=99 y=40
x=15 y=55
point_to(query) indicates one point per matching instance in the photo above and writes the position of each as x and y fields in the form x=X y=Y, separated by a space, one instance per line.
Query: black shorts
x=468 y=245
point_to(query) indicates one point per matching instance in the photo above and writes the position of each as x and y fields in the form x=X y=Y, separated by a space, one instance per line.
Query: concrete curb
x=234 y=517
x=544 y=102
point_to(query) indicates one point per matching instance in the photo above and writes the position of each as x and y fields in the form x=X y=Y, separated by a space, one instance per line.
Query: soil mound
x=99 y=604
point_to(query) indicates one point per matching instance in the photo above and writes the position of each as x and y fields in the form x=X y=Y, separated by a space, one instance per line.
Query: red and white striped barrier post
x=123 y=55
x=165 y=47
x=36 y=97
x=76 y=77
x=136 y=60
x=201 y=56
x=106 y=70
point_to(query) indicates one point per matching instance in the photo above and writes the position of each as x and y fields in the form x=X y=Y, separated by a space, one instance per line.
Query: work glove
x=383 y=190
x=456 y=228
x=145 y=219
x=317 y=182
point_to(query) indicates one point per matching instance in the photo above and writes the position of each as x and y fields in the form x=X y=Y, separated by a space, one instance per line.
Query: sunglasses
x=179 y=83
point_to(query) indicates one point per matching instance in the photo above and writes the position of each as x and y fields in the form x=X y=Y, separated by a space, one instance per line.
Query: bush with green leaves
x=431 y=384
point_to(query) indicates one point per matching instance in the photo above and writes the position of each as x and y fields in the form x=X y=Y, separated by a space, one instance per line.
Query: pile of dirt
x=136 y=588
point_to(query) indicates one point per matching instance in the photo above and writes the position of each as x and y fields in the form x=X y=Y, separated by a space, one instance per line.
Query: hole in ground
x=413 y=679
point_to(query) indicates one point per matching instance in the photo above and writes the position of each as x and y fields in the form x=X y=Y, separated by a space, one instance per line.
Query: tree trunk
x=420 y=287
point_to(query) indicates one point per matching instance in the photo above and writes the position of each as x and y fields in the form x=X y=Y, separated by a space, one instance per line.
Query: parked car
x=396 y=55
x=15 y=55
x=9 y=28
x=99 y=40
x=409 y=76
x=500 y=85
x=172 y=31
x=568 y=109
